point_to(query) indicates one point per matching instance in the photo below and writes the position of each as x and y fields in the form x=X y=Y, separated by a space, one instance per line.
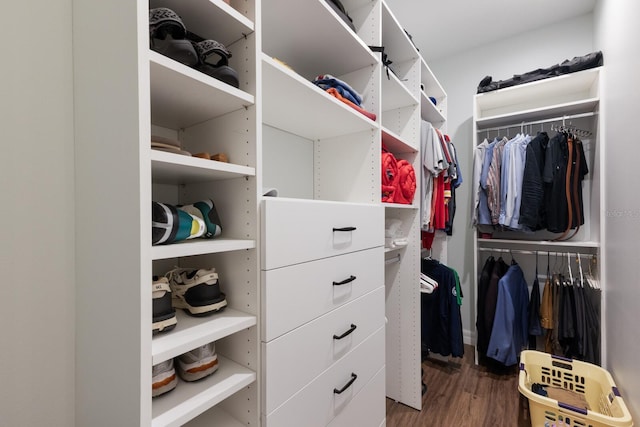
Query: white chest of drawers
x=322 y=323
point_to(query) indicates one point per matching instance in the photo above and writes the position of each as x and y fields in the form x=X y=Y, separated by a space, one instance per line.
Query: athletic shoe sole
x=198 y=370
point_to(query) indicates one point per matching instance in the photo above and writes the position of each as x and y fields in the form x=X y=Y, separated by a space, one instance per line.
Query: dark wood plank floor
x=462 y=394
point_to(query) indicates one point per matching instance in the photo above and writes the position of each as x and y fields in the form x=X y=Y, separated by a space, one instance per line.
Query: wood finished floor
x=461 y=394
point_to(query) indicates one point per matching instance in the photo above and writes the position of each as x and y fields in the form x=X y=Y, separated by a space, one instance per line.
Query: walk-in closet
x=320 y=213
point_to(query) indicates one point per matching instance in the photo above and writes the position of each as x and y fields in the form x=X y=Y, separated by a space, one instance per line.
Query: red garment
x=406 y=188
x=334 y=92
x=440 y=211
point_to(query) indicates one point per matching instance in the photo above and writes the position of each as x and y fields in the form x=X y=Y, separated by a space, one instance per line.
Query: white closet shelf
x=191 y=332
x=188 y=400
x=228 y=26
x=399 y=206
x=573 y=86
x=395 y=94
x=563 y=109
x=395 y=143
x=329 y=45
x=432 y=86
x=394 y=39
x=182 y=96
x=171 y=168
x=215 y=417
x=430 y=112
x=199 y=247
x=536 y=244
x=283 y=93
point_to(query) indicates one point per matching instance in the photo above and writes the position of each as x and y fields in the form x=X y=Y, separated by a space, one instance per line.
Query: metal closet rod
x=539 y=122
x=523 y=252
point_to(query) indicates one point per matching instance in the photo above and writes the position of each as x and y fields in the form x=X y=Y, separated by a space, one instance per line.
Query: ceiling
x=445 y=27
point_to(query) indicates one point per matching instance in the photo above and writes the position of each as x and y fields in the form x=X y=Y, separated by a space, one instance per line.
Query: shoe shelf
x=230 y=24
x=190 y=399
x=170 y=168
x=191 y=332
x=216 y=417
x=182 y=97
x=283 y=92
x=200 y=247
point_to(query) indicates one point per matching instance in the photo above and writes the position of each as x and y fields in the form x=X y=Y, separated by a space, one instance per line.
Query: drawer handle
x=351 y=329
x=344 y=229
x=345 y=281
x=347 y=385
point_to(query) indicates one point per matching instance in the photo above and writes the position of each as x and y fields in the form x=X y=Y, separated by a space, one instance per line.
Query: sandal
x=167 y=35
x=219 y=70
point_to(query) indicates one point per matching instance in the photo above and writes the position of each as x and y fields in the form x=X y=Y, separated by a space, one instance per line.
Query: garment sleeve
x=501 y=346
x=478 y=157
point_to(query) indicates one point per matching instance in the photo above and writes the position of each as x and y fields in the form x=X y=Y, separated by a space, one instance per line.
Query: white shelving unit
x=571 y=98
x=278 y=130
x=143 y=93
x=401 y=107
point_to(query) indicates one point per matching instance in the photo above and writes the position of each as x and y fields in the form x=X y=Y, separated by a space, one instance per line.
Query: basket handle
x=573 y=408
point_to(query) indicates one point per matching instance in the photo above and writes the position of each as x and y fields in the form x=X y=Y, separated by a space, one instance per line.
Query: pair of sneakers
x=169 y=36
x=196 y=291
x=191 y=366
x=172 y=224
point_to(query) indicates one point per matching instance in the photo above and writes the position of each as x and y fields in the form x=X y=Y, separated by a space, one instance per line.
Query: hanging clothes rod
x=538 y=122
x=541 y=252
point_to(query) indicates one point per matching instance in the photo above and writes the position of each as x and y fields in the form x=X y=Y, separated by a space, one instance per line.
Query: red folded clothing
x=332 y=91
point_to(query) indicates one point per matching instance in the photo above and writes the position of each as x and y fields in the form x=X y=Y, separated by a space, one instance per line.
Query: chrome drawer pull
x=344 y=229
x=351 y=329
x=346 y=386
x=345 y=281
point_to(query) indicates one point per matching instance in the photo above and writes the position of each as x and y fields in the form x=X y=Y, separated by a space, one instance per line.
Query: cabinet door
x=295 y=231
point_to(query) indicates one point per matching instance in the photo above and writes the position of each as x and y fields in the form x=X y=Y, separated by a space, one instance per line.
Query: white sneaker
x=198 y=363
x=164 y=378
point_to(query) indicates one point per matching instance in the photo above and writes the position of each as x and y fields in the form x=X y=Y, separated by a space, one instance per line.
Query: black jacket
x=532 y=213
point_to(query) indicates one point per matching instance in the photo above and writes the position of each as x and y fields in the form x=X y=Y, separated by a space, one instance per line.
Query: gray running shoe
x=198 y=363
x=163 y=378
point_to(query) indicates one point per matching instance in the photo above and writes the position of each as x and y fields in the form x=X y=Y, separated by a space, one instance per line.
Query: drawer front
x=318 y=403
x=292 y=296
x=368 y=407
x=295 y=231
x=293 y=360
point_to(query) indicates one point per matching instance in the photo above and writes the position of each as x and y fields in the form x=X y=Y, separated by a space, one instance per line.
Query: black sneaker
x=164 y=315
x=196 y=291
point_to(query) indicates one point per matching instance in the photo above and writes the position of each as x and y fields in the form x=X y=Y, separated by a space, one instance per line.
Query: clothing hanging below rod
x=541 y=251
x=538 y=122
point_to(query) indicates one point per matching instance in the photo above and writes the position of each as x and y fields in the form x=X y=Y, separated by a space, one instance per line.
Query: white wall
x=617 y=35
x=460 y=75
x=37 y=243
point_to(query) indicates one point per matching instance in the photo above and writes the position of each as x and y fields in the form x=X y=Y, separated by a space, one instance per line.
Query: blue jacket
x=510 y=324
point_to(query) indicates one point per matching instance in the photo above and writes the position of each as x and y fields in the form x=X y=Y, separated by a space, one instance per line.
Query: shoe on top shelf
x=196 y=291
x=167 y=36
x=170 y=224
x=205 y=210
x=198 y=363
x=163 y=378
x=164 y=315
